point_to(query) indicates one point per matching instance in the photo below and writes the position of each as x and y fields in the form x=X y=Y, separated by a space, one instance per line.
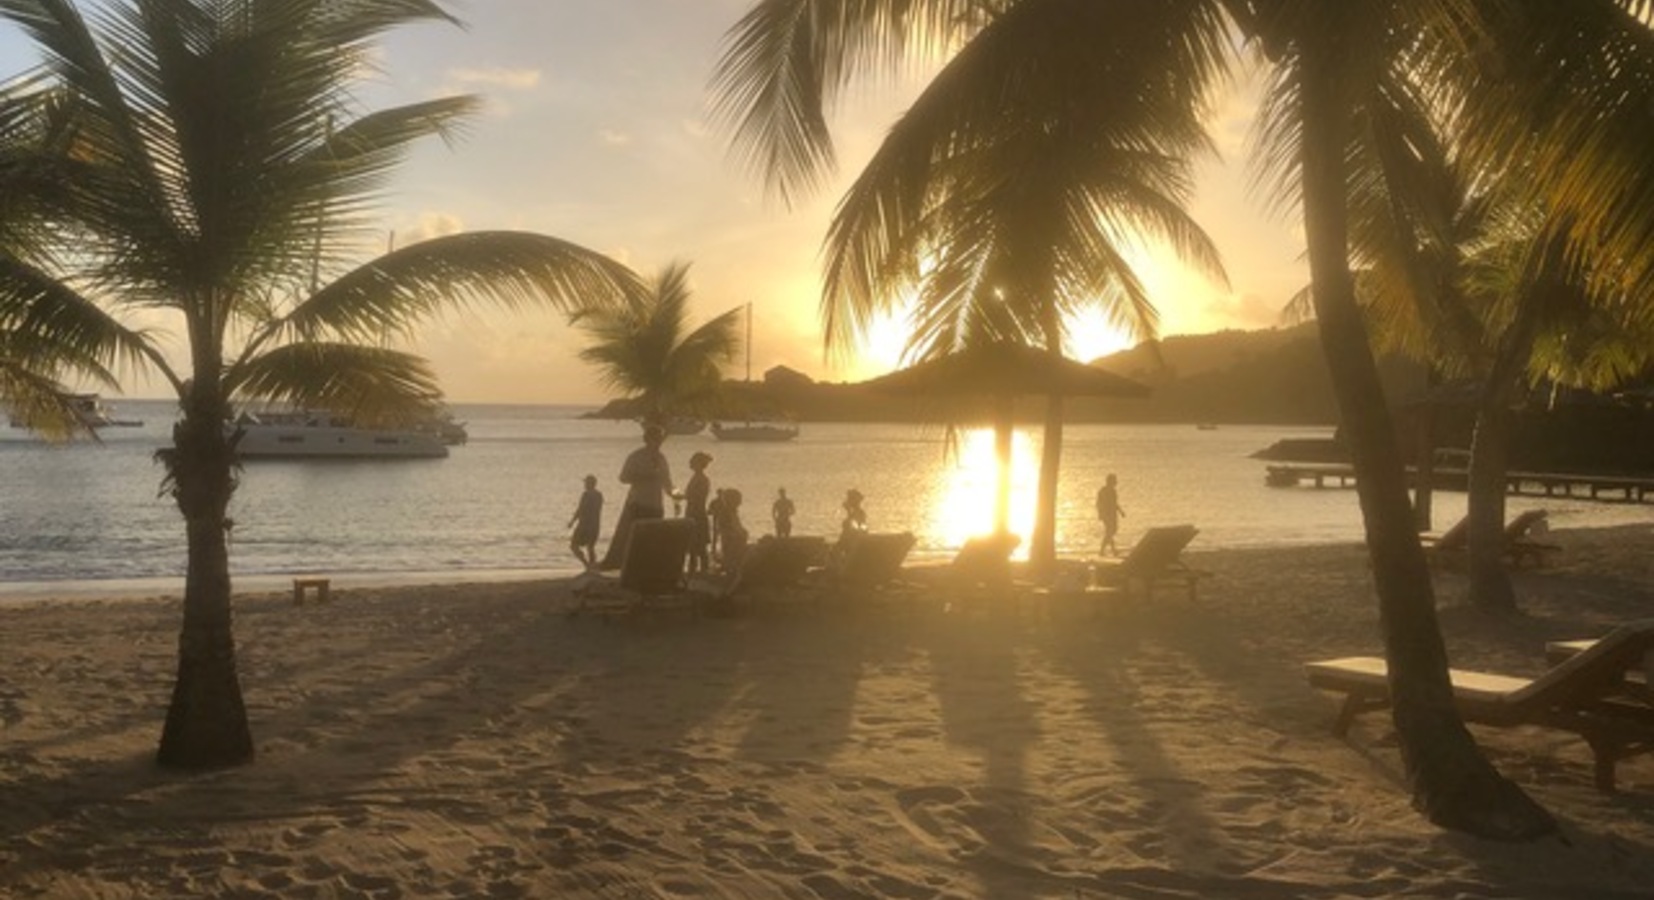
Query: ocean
x=92 y=513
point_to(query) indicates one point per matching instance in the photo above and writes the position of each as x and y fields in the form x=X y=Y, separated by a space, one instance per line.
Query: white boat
x=306 y=435
x=684 y=425
x=93 y=412
x=755 y=431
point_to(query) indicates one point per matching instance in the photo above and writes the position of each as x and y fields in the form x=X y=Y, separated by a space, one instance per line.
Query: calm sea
x=91 y=512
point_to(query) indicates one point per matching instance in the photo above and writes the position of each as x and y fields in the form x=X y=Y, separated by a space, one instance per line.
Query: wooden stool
x=300 y=584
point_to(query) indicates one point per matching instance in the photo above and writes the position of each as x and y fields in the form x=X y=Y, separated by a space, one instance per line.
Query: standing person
x=649 y=481
x=1110 y=513
x=695 y=510
x=715 y=514
x=855 y=517
x=782 y=511
x=586 y=522
x=853 y=526
x=733 y=532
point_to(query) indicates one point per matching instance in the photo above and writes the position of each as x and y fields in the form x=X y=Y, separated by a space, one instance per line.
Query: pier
x=1625 y=489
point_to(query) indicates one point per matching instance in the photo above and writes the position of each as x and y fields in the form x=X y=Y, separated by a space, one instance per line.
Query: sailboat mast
x=749 y=342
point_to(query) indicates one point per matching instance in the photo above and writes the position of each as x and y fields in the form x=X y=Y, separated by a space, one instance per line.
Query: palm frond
x=411 y=283
x=643 y=348
x=371 y=384
x=784 y=63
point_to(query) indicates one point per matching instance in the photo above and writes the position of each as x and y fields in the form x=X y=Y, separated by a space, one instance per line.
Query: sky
x=596 y=130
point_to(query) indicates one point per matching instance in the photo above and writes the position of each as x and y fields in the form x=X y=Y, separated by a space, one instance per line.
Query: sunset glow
x=964 y=505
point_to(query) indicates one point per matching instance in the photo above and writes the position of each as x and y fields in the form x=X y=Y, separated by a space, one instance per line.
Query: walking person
x=648 y=478
x=695 y=510
x=586 y=522
x=1109 y=513
x=782 y=511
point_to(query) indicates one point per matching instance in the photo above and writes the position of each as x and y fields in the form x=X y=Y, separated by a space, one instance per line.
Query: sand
x=459 y=741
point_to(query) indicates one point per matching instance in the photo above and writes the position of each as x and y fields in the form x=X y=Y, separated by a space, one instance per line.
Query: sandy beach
x=472 y=740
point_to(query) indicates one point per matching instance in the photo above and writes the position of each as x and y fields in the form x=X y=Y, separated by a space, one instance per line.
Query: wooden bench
x=301 y=585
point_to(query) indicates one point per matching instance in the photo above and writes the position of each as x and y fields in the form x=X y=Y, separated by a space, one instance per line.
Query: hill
x=1271 y=376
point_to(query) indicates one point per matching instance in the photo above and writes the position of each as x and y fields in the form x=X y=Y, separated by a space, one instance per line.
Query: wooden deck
x=1547 y=484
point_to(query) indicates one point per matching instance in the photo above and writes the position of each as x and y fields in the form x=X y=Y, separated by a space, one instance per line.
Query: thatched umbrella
x=1003 y=372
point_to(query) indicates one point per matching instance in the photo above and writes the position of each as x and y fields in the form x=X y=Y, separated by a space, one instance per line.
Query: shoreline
x=15 y=593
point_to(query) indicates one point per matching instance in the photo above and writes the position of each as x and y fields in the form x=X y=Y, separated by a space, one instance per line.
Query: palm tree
x=642 y=347
x=786 y=59
x=1464 y=272
x=1005 y=235
x=222 y=174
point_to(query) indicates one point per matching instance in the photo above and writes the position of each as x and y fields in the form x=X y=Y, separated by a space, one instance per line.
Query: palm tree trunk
x=1490 y=587
x=206 y=725
x=1004 y=427
x=1424 y=456
x=1453 y=785
x=1042 y=547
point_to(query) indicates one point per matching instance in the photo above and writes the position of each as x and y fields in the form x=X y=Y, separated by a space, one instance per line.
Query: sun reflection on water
x=964 y=507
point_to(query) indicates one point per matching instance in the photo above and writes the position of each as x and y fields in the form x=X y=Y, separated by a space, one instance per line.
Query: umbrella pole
x=1004 y=421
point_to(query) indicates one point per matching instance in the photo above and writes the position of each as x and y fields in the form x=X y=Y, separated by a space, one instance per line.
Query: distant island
x=1274 y=376
x=1270 y=376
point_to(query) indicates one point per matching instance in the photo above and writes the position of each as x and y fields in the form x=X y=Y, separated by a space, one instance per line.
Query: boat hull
x=334 y=442
x=754 y=433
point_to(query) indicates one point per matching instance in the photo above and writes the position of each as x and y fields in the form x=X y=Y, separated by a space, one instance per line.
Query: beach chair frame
x=1592 y=693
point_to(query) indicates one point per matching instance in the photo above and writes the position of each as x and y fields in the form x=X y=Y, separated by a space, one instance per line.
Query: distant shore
x=471 y=739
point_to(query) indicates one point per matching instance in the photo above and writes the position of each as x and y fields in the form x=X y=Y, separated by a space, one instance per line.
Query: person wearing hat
x=694 y=499
x=649 y=482
x=586 y=522
x=855 y=518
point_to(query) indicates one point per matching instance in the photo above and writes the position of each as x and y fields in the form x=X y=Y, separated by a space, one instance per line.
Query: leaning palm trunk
x=1453 y=785
x=206 y=725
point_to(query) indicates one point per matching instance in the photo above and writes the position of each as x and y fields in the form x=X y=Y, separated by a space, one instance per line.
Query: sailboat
x=750 y=430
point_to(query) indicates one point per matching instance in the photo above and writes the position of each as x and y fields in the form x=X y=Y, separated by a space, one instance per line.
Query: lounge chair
x=775 y=564
x=651 y=574
x=980 y=573
x=868 y=561
x=1156 y=557
x=1592 y=693
x=1520 y=534
x=1519 y=543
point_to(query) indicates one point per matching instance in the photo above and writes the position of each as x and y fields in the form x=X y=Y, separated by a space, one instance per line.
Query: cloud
x=612 y=138
x=428 y=225
x=509 y=79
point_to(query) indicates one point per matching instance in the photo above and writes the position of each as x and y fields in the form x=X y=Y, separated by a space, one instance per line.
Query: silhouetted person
x=732 y=533
x=855 y=517
x=649 y=481
x=695 y=510
x=586 y=522
x=782 y=511
x=1109 y=513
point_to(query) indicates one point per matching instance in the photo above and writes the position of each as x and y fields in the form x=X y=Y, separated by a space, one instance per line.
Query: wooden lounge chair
x=1519 y=544
x=775 y=564
x=867 y=561
x=980 y=574
x=651 y=574
x=1589 y=694
x=1156 y=557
